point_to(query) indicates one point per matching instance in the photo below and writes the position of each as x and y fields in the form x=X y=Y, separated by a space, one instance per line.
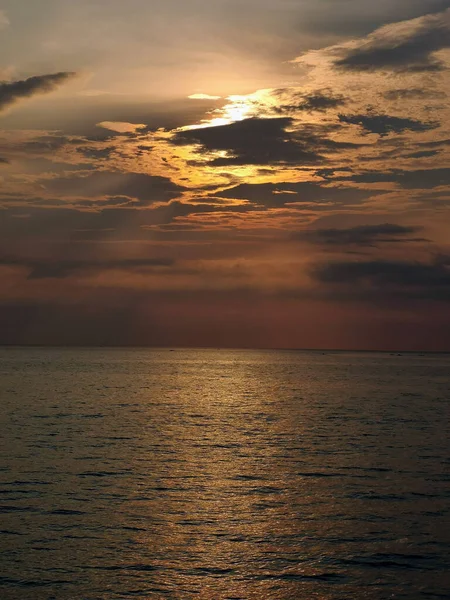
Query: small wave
x=203 y=571
x=81 y=537
x=391 y=561
x=14 y=509
x=63 y=511
x=132 y=567
x=317 y=474
x=383 y=497
x=29 y=482
x=102 y=473
x=94 y=416
x=325 y=577
x=32 y=583
x=263 y=490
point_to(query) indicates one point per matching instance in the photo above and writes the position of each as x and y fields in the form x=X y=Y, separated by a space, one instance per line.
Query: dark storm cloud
x=147 y=189
x=363 y=235
x=12 y=92
x=59 y=269
x=384 y=124
x=258 y=141
x=320 y=101
x=412 y=279
x=409 y=46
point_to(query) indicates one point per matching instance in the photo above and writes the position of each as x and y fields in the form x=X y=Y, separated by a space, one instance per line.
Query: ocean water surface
x=218 y=474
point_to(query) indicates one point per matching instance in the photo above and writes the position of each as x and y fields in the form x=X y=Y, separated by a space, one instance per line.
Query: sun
x=237 y=108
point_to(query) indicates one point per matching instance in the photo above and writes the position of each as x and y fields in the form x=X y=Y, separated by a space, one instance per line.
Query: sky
x=251 y=173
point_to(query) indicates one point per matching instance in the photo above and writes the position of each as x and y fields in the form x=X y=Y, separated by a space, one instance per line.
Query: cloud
x=114 y=218
x=320 y=101
x=203 y=97
x=414 y=179
x=14 y=91
x=121 y=126
x=147 y=189
x=59 y=269
x=262 y=141
x=412 y=279
x=413 y=93
x=48 y=143
x=274 y=195
x=384 y=124
x=362 y=235
x=96 y=153
x=251 y=141
x=404 y=46
x=436 y=143
x=423 y=154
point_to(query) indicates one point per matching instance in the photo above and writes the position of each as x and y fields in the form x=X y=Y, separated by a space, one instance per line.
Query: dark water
x=224 y=475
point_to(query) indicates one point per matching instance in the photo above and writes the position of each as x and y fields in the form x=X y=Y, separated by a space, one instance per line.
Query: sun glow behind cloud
x=237 y=108
x=203 y=97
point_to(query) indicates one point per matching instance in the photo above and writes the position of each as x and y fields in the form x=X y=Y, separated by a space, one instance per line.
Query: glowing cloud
x=120 y=126
x=203 y=97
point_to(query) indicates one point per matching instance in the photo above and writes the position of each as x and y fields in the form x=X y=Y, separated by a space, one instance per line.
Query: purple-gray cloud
x=406 y=46
x=14 y=91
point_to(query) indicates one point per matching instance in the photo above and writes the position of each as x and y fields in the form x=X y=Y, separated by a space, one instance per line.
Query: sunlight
x=238 y=108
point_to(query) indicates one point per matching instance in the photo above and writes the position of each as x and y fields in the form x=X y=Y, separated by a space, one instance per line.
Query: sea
x=224 y=474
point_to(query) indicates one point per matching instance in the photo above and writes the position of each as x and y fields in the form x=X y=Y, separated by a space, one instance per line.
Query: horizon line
x=232 y=348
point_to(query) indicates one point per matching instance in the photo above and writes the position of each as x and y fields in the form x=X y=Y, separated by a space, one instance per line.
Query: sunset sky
x=252 y=173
